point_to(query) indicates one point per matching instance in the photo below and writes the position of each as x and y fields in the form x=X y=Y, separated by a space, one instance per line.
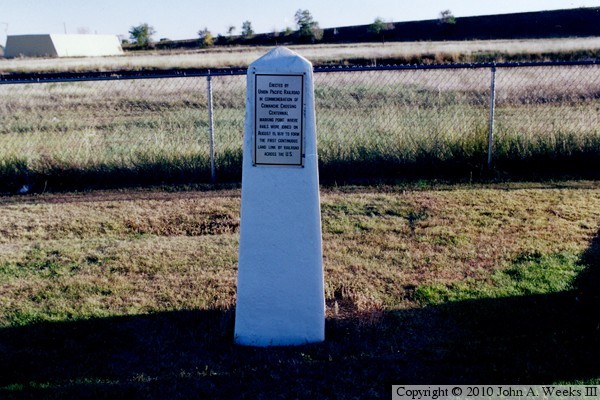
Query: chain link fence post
x=211 y=128
x=491 y=122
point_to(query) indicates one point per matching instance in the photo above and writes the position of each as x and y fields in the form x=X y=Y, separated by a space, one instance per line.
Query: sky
x=182 y=19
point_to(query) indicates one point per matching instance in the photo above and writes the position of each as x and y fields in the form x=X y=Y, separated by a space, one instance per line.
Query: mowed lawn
x=131 y=293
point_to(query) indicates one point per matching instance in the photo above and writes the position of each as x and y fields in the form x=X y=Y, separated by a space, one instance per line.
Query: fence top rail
x=350 y=68
x=22 y=77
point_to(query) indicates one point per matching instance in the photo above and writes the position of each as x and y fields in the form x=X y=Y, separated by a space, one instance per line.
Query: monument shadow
x=538 y=339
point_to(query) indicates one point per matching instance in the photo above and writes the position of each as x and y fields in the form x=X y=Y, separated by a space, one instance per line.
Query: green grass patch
x=529 y=274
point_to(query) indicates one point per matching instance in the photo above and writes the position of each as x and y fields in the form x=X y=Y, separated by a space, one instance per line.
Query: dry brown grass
x=380 y=246
x=131 y=293
x=318 y=54
x=69 y=257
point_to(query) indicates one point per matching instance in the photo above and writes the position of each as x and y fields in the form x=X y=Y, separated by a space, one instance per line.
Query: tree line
x=307 y=31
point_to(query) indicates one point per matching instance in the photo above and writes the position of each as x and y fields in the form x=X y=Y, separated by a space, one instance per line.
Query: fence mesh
x=401 y=116
x=551 y=109
x=384 y=121
x=113 y=124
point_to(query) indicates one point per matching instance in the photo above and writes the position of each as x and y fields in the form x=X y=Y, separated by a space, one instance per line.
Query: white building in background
x=62 y=45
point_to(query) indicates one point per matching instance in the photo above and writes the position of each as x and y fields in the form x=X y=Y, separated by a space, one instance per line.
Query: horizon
x=24 y=17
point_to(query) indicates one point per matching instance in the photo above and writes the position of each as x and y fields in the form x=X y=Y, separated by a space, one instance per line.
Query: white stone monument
x=280 y=296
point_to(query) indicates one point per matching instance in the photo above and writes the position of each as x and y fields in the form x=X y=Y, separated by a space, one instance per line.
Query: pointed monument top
x=282 y=59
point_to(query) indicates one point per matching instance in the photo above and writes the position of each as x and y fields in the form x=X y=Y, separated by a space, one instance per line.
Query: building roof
x=62 y=45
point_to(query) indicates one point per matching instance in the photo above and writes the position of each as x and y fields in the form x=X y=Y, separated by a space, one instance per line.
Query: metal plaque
x=278 y=125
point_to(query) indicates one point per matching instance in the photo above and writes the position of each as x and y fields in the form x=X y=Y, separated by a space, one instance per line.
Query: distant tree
x=288 y=31
x=308 y=28
x=142 y=34
x=379 y=27
x=230 y=30
x=208 y=41
x=446 y=18
x=222 y=39
x=206 y=38
x=247 y=31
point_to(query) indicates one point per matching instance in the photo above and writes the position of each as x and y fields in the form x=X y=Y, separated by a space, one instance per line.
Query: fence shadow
x=190 y=354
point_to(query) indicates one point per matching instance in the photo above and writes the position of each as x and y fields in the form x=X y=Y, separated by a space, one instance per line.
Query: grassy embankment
x=370 y=125
x=126 y=294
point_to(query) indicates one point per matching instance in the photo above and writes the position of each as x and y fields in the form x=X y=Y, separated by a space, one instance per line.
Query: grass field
x=131 y=294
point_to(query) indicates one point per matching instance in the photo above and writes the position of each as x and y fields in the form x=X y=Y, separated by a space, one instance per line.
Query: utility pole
x=5 y=29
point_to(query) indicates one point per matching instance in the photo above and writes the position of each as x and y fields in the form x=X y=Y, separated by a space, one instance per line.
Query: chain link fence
x=394 y=121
